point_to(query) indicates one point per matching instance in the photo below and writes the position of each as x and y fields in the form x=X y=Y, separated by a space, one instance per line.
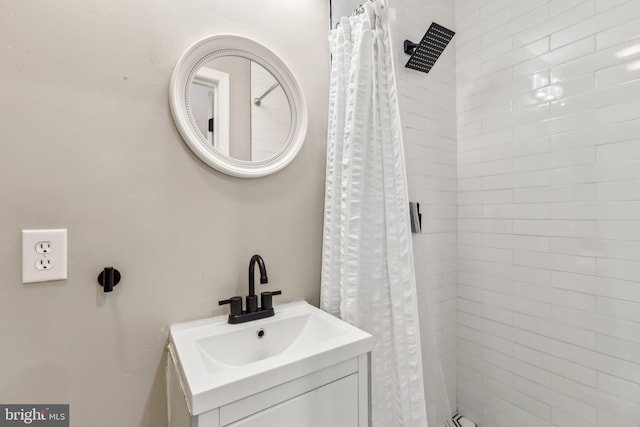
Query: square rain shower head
x=427 y=52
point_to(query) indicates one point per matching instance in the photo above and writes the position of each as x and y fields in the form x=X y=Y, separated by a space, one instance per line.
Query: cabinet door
x=332 y=405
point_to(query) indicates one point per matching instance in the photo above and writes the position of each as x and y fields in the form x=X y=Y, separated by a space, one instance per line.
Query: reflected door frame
x=218 y=108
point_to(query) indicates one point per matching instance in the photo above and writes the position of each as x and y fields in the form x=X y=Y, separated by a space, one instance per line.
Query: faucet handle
x=251 y=303
x=236 y=305
x=267 y=300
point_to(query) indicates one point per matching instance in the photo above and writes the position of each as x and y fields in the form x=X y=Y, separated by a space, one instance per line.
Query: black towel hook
x=108 y=278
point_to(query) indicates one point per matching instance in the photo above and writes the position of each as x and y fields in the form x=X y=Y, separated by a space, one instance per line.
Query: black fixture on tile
x=108 y=278
x=415 y=217
x=425 y=54
x=252 y=311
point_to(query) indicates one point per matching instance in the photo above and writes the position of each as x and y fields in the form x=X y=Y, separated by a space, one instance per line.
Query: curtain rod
x=357 y=11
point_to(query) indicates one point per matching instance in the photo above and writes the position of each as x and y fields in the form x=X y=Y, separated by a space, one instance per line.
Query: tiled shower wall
x=548 y=100
x=428 y=114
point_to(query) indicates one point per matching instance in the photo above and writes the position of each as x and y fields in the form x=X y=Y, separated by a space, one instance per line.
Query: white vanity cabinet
x=334 y=404
x=301 y=367
x=336 y=396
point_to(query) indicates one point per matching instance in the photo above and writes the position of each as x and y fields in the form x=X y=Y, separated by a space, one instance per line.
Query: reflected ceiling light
x=550 y=93
x=539 y=81
x=628 y=51
x=634 y=66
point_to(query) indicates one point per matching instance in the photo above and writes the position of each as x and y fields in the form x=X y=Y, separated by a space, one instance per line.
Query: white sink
x=220 y=363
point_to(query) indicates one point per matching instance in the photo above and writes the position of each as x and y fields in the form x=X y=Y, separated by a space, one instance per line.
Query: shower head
x=427 y=52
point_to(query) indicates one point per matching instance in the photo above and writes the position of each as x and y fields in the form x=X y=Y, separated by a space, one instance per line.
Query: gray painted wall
x=88 y=144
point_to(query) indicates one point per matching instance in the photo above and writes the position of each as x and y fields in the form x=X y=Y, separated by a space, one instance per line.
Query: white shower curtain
x=368 y=276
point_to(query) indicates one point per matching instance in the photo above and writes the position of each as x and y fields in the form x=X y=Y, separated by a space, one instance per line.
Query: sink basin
x=242 y=346
x=220 y=363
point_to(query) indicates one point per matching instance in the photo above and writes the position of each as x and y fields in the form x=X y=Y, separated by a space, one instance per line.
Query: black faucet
x=252 y=312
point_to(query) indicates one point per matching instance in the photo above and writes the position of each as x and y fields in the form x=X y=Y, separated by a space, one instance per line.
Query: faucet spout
x=263 y=273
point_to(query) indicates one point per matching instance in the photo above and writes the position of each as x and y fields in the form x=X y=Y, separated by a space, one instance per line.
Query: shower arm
x=258 y=100
x=410 y=47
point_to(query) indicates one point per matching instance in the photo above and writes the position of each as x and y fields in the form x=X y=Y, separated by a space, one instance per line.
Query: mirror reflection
x=240 y=108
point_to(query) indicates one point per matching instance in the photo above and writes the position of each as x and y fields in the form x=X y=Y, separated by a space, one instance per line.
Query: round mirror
x=237 y=106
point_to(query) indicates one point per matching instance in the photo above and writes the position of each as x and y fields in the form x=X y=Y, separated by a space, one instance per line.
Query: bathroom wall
x=88 y=144
x=428 y=114
x=549 y=218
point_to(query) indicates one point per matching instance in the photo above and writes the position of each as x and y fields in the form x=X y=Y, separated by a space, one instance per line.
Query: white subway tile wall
x=428 y=115
x=548 y=140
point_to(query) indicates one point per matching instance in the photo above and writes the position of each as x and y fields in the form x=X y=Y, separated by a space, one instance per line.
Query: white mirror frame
x=232 y=45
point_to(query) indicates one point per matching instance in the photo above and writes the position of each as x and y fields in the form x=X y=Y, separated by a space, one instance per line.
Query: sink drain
x=260 y=333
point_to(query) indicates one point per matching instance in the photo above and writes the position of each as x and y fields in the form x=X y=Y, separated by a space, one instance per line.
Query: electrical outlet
x=44 y=255
x=44 y=263
x=44 y=247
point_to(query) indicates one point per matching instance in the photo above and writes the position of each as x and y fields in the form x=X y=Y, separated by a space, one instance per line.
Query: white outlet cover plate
x=30 y=256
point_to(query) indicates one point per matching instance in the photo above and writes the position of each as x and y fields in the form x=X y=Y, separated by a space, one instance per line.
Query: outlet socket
x=44 y=247
x=44 y=263
x=44 y=255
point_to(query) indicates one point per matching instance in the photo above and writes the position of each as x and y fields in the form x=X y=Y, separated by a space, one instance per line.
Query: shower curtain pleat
x=368 y=276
